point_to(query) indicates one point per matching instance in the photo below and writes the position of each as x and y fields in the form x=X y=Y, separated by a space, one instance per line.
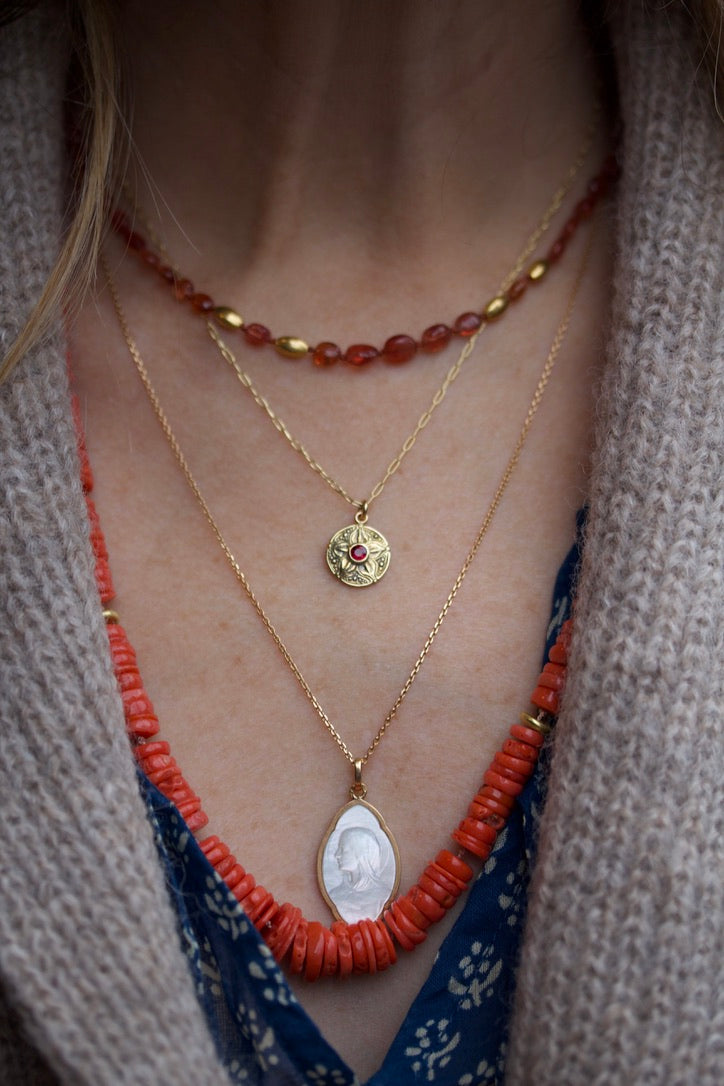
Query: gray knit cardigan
x=622 y=972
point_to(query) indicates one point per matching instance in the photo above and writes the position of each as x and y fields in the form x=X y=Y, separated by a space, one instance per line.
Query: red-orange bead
x=331 y=954
x=360 y=354
x=584 y=208
x=398 y=931
x=503 y=803
x=359 y=948
x=163 y=777
x=243 y=887
x=455 y=866
x=512 y=788
x=216 y=852
x=445 y=880
x=414 y=933
x=413 y=914
x=384 y=948
x=299 y=948
x=144 y=751
x=282 y=930
x=483 y=813
x=518 y=288
x=467 y=324
x=516 y=749
x=521 y=766
x=553 y=676
x=558 y=653
x=399 y=349
x=196 y=822
x=257 y=902
x=546 y=699
x=315 y=950
x=135 y=240
x=345 y=960
x=266 y=913
x=202 y=303
x=471 y=844
x=527 y=735
x=442 y=896
x=224 y=865
x=556 y=251
x=326 y=354
x=183 y=289
x=475 y=828
x=212 y=842
x=435 y=338
x=570 y=228
x=142 y=727
x=235 y=876
x=257 y=334
x=371 y=956
x=426 y=903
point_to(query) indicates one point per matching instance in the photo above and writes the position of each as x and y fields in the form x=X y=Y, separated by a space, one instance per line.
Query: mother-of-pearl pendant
x=358 y=555
x=358 y=864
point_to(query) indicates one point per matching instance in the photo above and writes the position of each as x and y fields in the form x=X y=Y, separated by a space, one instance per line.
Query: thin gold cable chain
x=487 y=519
x=362 y=505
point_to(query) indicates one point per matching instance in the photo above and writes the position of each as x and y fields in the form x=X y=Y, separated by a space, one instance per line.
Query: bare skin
x=343 y=171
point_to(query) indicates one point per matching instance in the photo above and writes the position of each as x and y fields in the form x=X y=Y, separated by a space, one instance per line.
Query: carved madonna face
x=358 y=864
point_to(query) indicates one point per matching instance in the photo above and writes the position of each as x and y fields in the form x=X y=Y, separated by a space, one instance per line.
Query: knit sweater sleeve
x=622 y=976
x=78 y=916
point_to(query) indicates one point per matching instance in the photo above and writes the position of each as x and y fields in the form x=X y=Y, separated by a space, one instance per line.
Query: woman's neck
x=341 y=140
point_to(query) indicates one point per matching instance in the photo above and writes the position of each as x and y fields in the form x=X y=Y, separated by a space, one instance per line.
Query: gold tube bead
x=291 y=347
x=111 y=616
x=537 y=725
x=228 y=318
x=495 y=307
x=537 y=271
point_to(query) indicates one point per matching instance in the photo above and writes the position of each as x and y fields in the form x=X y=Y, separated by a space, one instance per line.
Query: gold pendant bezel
x=391 y=884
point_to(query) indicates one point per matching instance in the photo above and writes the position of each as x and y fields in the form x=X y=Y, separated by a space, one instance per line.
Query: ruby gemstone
x=358 y=552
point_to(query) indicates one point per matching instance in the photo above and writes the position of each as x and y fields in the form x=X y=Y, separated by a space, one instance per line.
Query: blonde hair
x=100 y=154
x=103 y=147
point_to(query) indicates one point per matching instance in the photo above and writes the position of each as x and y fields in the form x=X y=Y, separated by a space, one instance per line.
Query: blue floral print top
x=454 y=1033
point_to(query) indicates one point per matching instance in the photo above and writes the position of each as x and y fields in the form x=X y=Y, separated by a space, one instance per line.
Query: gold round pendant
x=358 y=555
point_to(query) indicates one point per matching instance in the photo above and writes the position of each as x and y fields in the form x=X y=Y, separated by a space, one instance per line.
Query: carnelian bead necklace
x=397 y=348
x=308 y=947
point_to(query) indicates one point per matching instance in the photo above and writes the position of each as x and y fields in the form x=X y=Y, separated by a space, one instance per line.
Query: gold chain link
x=543 y=380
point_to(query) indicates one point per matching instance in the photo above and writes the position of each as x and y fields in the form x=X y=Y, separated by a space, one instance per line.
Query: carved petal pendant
x=358 y=555
x=358 y=864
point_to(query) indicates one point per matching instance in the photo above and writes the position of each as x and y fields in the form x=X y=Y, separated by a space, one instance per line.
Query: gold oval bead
x=111 y=617
x=228 y=318
x=537 y=271
x=495 y=307
x=291 y=347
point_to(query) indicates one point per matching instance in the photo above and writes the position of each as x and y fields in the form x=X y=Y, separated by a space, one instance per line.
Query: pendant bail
x=361 y=514
x=358 y=790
